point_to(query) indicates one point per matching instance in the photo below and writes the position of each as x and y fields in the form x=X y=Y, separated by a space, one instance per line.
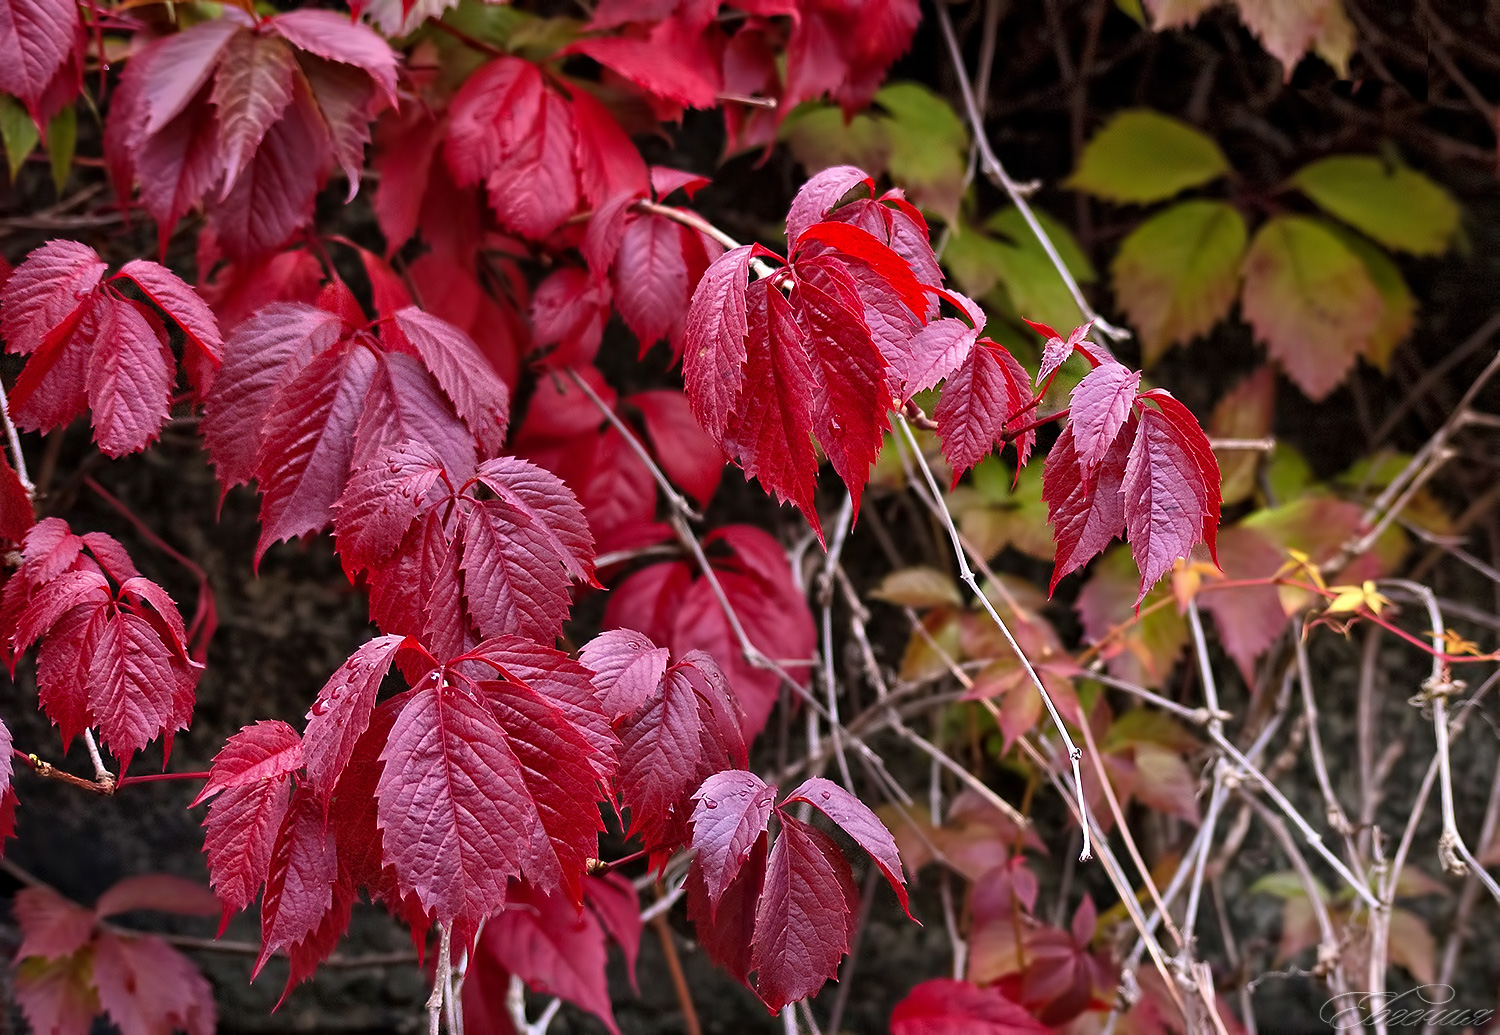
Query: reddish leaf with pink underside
x=239 y=836
x=627 y=669
x=1170 y=504
x=817 y=197
x=1098 y=410
x=36 y=38
x=943 y=1006
x=732 y=811
x=145 y=985
x=1086 y=508
x=300 y=878
x=856 y=819
x=714 y=353
x=51 y=926
x=341 y=713
x=980 y=398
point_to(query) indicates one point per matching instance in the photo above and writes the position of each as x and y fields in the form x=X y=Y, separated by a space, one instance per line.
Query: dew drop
x=709 y=803
x=826 y=795
x=319 y=706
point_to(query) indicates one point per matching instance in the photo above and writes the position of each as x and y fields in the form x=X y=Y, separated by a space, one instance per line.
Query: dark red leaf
x=855 y=819
x=456 y=816
x=342 y=712
x=714 y=351
x=858 y=245
x=335 y=37
x=1087 y=510
x=239 y=835
x=552 y=945
x=730 y=816
x=728 y=933
x=250 y=94
x=1167 y=500
x=476 y=391
x=180 y=302
x=36 y=37
x=672 y=61
x=988 y=389
x=300 y=880
x=805 y=918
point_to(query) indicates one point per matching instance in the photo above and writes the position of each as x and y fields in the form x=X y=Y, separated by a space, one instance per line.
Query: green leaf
x=1176 y=275
x=1399 y=314
x=1288 y=474
x=1035 y=287
x=62 y=138
x=1142 y=155
x=819 y=138
x=1311 y=300
x=919 y=586
x=1132 y=9
x=1285 y=884
x=929 y=147
x=1397 y=206
x=1001 y=517
x=18 y=132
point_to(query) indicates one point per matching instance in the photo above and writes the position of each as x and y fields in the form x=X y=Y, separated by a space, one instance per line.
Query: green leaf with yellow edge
x=1142 y=155
x=1311 y=299
x=1177 y=274
x=1036 y=290
x=819 y=138
x=62 y=139
x=925 y=654
x=1399 y=314
x=928 y=146
x=1148 y=726
x=1147 y=645
x=918 y=586
x=1245 y=412
x=18 y=132
x=1397 y=206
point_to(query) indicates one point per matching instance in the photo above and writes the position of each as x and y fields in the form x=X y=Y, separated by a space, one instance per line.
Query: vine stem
x=14 y=440
x=996 y=172
x=967 y=575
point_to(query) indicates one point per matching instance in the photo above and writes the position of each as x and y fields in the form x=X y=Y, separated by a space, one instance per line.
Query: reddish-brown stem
x=1011 y=434
x=155 y=777
x=679 y=980
x=51 y=772
x=605 y=865
x=466 y=39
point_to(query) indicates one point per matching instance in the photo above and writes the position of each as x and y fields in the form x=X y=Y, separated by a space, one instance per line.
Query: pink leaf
x=36 y=37
x=145 y=985
x=250 y=94
x=51 y=926
x=627 y=667
x=1166 y=499
x=714 y=350
x=817 y=197
x=239 y=835
x=1087 y=510
x=730 y=816
x=1098 y=410
x=987 y=391
x=158 y=892
x=855 y=819
x=180 y=302
x=476 y=391
x=335 y=37
x=129 y=378
x=46 y=291
x=342 y=712
x=381 y=502
x=688 y=456
x=300 y=879
x=943 y=1006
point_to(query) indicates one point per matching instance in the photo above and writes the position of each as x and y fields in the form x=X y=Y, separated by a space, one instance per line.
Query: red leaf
x=380 y=504
x=180 y=302
x=1098 y=410
x=855 y=819
x=138 y=687
x=1167 y=499
x=343 y=97
x=728 y=933
x=805 y=918
x=46 y=293
x=608 y=163
x=943 y=1006
x=1249 y=618
x=857 y=245
x=240 y=832
x=456 y=816
x=145 y=985
x=51 y=926
x=63 y=669
x=490 y=115
x=16 y=514
x=651 y=278
x=36 y=37
x=250 y=94
x=714 y=351
x=732 y=811
x=536 y=188
x=981 y=397
x=177 y=68
x=130 y=378
x=308 y=442
x=672 y=61
x=685 y=452
x=569 y=310
x=334 y=37
x=177 y=166
x=771 y=433
x=1056 y=349
x=617 y=904
x=935 y=352
x=476 y=391
x=261 y=357
x=268 y=750
x=158 y=892
x=684 y=733
x=561 y=775
x=342 y=712
x=627 y=669
x=551 y=510
x=1191 y=433
x=552 y=945
x=1087 y=509
x=273 y=197
x=300 y=879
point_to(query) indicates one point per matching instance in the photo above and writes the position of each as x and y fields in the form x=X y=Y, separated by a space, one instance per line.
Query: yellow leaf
x=1364 y=597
